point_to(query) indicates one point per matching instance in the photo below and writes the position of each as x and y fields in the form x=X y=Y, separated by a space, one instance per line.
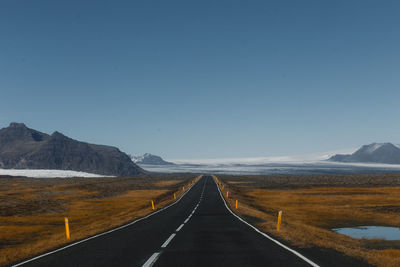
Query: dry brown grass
x=32 y=210
x=310 y=213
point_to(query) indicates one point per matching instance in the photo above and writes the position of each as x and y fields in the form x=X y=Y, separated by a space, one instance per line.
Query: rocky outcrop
x=25 y=148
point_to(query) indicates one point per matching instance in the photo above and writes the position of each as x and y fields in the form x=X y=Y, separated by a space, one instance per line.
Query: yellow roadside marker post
x=174 y=196
x=227 y=194
x=183 y=188
x=278 y=226
x=236 y=204
x=222 y=188
x=66 y=228
x=152 y=204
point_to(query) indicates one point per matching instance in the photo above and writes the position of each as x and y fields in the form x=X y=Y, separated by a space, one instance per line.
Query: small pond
x=371 y=232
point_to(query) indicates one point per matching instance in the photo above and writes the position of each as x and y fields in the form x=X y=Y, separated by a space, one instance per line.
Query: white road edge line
x=265 y=235
x=107 y=232
x=186 y=220
x=179 y=228
x=168 y=240
x=151 y=260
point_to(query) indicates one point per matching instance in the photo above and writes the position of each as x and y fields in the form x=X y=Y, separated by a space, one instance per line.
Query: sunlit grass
x=32 y=211
x=309 y=214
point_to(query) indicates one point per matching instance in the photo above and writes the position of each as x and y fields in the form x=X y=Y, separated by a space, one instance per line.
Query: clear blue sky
x=195 y=79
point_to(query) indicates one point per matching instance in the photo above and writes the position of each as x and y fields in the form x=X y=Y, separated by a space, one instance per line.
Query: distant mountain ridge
x=25 y=148
x=387 y=153
x=150 y=159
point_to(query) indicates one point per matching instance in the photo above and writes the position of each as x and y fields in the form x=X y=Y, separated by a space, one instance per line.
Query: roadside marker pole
x=174 y=196
x=236 y=204
x=152 y=204
x=66 y=228
x=227 y=194
x=183 y=188
x=278 y=226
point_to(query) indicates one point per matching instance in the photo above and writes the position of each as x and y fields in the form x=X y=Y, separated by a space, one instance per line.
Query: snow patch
x=264 y=160
x=137 y=159
x=48 y=173
x=373 y=147
x=317 y=167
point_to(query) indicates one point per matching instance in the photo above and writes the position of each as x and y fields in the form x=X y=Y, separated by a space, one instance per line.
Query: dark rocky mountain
x=373 y=153
x=25 y=148
x=150 y=159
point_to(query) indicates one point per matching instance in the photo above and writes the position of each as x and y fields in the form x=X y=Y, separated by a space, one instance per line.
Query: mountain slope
x=24 y=148
x=150 y=159
x=373 y=153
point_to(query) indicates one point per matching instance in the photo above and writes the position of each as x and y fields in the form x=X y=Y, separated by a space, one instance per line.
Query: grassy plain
x=32 y=210
x=314 y=204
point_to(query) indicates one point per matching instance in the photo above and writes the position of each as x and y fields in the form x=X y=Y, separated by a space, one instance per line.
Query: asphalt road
x=197 y=231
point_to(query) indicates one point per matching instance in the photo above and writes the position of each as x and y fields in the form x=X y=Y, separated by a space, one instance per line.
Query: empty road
x=197 y=231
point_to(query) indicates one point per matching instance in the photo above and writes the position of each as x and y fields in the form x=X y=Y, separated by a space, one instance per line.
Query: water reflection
x=371 y=232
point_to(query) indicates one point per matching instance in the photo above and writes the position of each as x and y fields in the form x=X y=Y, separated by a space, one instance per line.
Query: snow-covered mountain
x=387 y=153
x=150 y=160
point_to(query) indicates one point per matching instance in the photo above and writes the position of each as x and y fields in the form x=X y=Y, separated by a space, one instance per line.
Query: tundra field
x=32 y=210
x=312 y=205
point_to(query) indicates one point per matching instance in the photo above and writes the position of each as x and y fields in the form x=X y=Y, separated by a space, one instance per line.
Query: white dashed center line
x=179 y=228
x=154 y=257
x=151 y=260
x=168 y=240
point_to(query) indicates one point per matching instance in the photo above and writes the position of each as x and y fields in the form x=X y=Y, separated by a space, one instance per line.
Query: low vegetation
x=313 y=205
x=32 y=210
